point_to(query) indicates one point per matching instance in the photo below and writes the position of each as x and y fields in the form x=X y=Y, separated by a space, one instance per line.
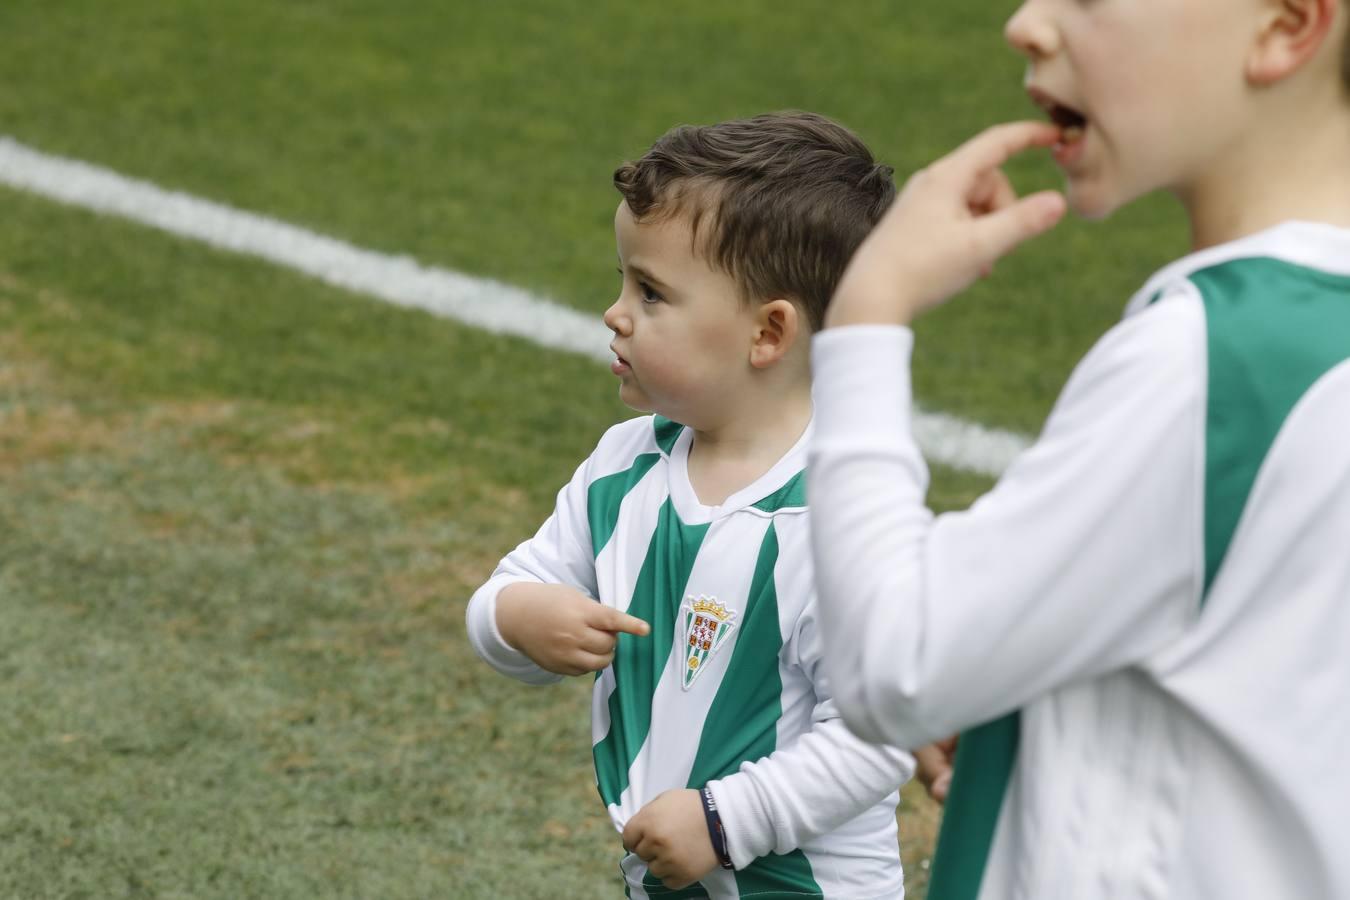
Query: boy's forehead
x=669 y=234
x=666 y=248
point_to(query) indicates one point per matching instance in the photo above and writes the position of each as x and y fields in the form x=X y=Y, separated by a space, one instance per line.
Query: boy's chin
x=634 y=399
x=1090 y=204
x=1098 y=199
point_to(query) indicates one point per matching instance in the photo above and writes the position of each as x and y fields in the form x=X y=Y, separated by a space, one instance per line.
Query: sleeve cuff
x=861 y=385
x=741 y=812
x=487 y=641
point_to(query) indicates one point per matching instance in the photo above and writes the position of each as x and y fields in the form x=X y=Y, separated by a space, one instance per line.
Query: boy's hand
x=949 y=225
x=670 y=834
x=562 y=629
x=935 y=767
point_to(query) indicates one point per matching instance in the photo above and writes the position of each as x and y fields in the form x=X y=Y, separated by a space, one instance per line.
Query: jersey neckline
x=694 y=512
x=1313 y=245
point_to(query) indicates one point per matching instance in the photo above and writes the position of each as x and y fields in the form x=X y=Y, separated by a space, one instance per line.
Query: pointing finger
x=613 y=620
x=994 y=146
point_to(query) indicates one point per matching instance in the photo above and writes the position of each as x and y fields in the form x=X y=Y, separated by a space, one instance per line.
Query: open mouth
x=1072 y=123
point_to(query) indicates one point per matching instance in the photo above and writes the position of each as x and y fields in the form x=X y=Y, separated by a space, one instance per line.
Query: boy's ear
x=1292 y=31
x=777 y=326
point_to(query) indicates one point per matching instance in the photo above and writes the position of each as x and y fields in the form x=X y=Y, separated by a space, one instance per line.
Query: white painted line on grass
x=401 y=280
x=484 y=304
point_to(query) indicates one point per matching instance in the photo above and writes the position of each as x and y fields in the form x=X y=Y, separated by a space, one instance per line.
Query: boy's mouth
x=1072 y=123
x=619 y=365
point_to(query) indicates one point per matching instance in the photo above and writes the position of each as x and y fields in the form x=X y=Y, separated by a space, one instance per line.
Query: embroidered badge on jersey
x=707 y=624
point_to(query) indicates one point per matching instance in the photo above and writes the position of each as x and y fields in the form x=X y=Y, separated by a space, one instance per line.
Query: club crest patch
x=707 y=625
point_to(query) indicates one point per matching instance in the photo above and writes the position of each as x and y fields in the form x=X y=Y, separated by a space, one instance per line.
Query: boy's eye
x=649 y=294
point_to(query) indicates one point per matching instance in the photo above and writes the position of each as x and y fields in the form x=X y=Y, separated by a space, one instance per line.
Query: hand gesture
x=935 y=767
x=670 y=834
x=949 y=225
x=562 y=629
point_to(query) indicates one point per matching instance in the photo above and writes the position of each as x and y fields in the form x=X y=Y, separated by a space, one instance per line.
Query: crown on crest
x=711 y=607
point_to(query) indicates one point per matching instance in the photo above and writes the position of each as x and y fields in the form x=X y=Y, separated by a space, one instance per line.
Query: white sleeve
x=814 y=785
x=559 y=553
x=1085 y=557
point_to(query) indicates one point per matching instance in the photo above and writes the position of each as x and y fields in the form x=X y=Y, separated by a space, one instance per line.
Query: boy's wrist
x=879 y=305
x=504 y=619
x=716 y=833
x=512 y=609
x=491 y=645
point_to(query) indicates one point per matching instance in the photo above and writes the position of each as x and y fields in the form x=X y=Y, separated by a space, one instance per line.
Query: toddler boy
x=676 y=563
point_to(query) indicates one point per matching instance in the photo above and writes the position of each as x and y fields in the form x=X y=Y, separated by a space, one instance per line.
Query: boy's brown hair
x=780 y=202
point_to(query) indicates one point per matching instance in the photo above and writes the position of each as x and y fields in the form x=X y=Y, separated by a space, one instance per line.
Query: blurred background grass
x=240 y=512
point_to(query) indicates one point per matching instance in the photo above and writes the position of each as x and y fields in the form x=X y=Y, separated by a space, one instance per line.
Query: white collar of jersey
x=693 y=512
x=1314 y=245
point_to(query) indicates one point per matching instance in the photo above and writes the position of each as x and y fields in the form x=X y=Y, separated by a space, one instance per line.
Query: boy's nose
x=614 y=317
x=1030 y=32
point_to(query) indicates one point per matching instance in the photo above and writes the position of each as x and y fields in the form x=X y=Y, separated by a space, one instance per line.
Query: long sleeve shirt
x=729 y=689
x=1157 y=592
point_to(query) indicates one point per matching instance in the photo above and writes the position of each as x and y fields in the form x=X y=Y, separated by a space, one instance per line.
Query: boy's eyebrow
x=645 y=273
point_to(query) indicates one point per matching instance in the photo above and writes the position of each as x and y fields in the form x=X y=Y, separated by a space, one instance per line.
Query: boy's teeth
x=1072 y=133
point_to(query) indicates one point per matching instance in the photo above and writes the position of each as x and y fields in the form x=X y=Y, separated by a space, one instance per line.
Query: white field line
x=401 y=280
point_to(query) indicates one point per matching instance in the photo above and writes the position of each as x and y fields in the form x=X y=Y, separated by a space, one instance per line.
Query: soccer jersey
x=1150 y=613
x=728 y=688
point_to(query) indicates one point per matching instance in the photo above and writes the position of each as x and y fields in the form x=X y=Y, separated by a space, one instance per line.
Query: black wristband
x=715 y=830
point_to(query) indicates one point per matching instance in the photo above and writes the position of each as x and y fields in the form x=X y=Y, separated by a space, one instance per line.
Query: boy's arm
x=814 y=785
x=1085 y=558
x=1082 y=560
x=828 y=777
x=773 y=805
x=807 y=788
x=558 y=554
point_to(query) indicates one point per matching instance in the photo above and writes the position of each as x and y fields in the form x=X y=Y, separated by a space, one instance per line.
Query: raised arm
x=1084 y=558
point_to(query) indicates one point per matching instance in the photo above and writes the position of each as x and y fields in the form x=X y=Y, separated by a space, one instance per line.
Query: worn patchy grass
x=231 y=637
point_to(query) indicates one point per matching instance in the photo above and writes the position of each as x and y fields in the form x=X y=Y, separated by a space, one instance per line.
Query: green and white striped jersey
x=1142 y=631
x=728 y=688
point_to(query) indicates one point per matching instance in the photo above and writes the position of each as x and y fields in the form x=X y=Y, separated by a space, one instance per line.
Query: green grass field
x=241 y=512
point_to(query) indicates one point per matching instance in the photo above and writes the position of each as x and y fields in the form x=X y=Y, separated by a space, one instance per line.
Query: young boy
x=717 y=747
x=1161 y=585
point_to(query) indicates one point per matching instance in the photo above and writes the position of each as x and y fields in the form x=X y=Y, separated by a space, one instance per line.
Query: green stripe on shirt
x=742 y=724
x=605 y=496
x=984 y=762
x=640 y=661
x=792 y=494
x=1274 y=329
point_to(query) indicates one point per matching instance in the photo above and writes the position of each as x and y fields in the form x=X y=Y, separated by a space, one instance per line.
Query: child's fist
x=562 y=629
x=670 y=834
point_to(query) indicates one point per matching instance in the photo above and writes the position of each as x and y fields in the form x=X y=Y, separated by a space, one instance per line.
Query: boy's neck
x=730 y=456
x=1290 y=170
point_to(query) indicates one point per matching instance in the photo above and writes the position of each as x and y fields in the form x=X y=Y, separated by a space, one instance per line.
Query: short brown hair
x=785 y=198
